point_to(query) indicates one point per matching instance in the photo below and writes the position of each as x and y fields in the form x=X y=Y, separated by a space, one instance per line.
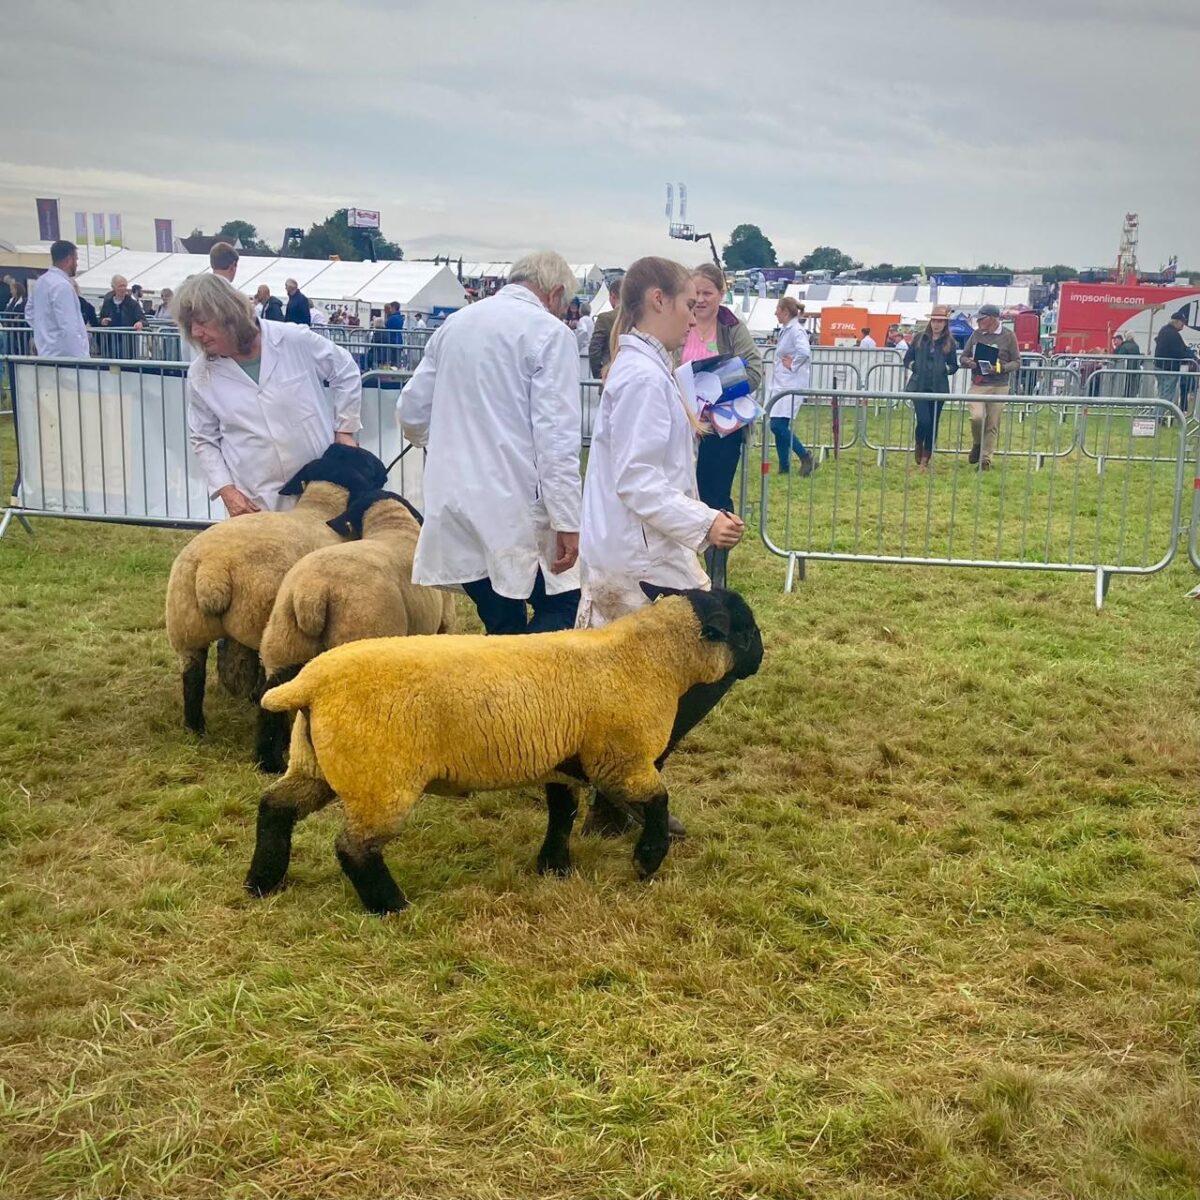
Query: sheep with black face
x=380 y=722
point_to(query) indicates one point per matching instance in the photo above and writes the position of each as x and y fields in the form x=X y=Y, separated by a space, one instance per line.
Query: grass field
x=933 y=933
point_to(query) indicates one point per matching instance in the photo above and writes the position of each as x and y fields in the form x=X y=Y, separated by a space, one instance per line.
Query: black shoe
x=973 y=457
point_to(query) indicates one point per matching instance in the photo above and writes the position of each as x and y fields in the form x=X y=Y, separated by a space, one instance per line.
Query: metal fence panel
x=1064 y=517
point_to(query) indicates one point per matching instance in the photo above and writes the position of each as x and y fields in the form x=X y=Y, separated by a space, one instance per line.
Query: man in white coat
x=53 y=309
x=263 y=398
x=495 y=401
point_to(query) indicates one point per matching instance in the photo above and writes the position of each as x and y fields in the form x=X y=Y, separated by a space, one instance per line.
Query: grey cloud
x=1019 y=131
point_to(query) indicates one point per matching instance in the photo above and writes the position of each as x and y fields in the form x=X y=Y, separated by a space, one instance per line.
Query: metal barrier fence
x=107 y=440
x=1067 y=517
x=377 y=349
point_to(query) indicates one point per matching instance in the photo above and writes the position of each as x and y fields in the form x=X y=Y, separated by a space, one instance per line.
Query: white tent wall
x=276 y=272
x=171 y=271
x=131 y=263
x=416 y=286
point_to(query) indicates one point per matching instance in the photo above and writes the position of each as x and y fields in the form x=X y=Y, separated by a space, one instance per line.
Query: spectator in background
x=867 y=342
x=1170 y=353
x=163 y=311
x=897 y=340
x=269 y=308
x=394 y=320
x=793 y=358
x=223 y=259
x=136 y=292
x=119 y=310
x=318 y=314
x=1128 y=358
x=87 y=309
x=5 y=290
x=584 y=327
x=719 y=332
x=498 y=387
x=932 y=358
x=599 y=344
x=419 y=321
x=54 y=311
x=299 y=311
x=993 y=355
x=15 y=305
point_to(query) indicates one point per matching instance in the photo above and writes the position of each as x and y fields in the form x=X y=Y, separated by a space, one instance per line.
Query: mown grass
x=933 y=933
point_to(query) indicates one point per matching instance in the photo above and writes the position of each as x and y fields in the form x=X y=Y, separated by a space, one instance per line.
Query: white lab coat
x=495 y=400
x=793 y=340
x=54 y=315
x=257 y=436
x=642 y=519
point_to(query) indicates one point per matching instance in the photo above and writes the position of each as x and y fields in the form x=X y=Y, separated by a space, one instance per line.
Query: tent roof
x=414 y=285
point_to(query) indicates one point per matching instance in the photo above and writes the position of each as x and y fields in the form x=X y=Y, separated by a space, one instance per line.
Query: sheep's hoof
x=555 y=862
x=261 y=888
x=373 y=882
x=272 y=849
x=271 y=764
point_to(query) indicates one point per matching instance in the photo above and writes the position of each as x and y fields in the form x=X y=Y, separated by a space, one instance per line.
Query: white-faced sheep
x=223 y=582
x=380 y=722
x=344 y=593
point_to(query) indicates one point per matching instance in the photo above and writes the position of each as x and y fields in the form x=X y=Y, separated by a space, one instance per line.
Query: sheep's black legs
x=652 y=846
x=561 y=805
x=271 y=732
x=286 y=802
x=272 y=848
x=194 y=670
x=365 y=868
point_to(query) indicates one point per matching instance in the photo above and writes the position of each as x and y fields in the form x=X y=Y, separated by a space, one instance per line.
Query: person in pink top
x=718 y=332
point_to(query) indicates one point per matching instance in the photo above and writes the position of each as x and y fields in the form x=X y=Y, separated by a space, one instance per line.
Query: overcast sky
x=935 y=131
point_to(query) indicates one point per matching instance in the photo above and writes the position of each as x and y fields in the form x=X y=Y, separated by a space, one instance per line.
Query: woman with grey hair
x=263 y=397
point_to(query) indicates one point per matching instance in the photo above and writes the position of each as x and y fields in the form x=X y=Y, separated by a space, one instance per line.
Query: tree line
x=324 y=239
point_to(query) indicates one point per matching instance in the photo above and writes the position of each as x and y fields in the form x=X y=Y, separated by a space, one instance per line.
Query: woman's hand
x=726 y=531
x=236 y=503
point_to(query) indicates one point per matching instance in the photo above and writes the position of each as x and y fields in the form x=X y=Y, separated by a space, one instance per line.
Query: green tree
x=748 y=247
x=247 y=234
x=1056 y=273
x=828 y=258
x=334 y=236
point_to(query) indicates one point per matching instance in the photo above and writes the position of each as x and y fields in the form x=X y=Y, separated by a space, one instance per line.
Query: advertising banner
x=47 y=211
x=98 y=233
x=114 y=229
x=164 y=237
x=81 y=229
x=1089 y=314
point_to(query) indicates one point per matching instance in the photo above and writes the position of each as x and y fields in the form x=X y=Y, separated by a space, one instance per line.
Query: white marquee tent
x=419 y=286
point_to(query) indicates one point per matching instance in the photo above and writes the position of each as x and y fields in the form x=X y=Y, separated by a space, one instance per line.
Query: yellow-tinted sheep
x=223 y=582
x=344 y=593
x=382 y=721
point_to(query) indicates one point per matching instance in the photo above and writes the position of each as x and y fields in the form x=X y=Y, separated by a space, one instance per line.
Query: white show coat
x=793 y=340
x=642 y=520
x=495 y=400
x=258 y=435
x=54 y=315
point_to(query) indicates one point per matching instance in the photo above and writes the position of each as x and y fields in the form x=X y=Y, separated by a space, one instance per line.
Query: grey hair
x=210 y=299
x=544 y=271
x=113 y=281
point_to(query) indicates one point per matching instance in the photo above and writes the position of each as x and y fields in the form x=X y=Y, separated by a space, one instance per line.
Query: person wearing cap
x=991 y=370
x=1170 y=353
x=932 y=358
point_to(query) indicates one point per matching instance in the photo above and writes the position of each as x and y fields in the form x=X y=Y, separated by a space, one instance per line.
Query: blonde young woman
x=642 y=519
x=932 y=358
x=718 y=331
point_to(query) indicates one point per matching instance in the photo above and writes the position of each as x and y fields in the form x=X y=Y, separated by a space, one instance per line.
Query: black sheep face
x=351 y=467
x=724 y=617
x=350 y=523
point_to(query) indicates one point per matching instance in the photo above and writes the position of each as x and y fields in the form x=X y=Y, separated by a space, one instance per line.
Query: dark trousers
x=500 y=614
x=786 y=441
x=716 y=465
x=929 y=413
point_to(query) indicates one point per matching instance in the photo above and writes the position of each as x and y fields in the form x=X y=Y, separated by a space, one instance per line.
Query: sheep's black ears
x=653 y=591
x=295 y=485
x=343 y=526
